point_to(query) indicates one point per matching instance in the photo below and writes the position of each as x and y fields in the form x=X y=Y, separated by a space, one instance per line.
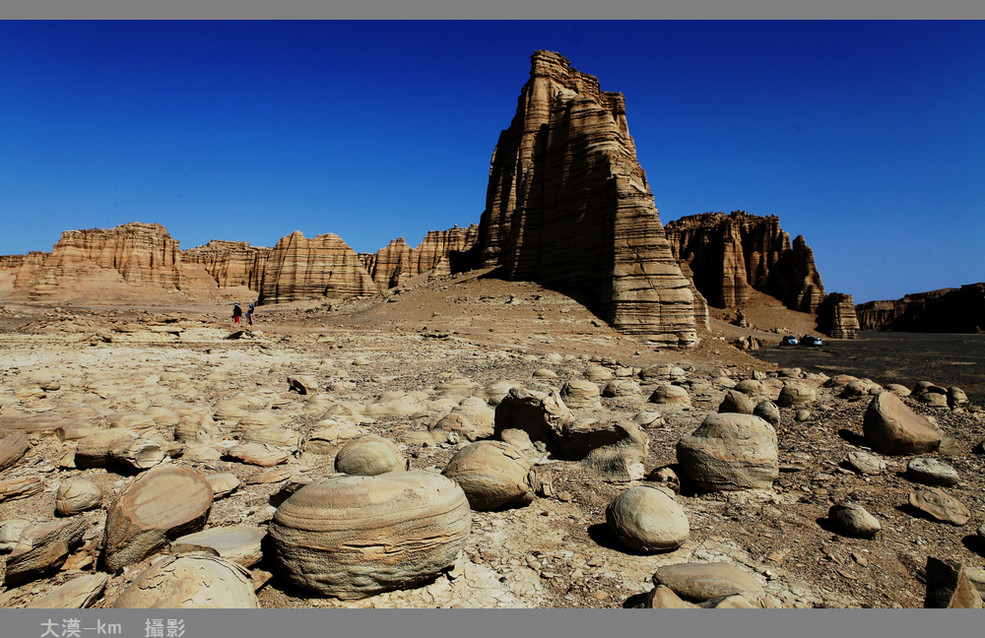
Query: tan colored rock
x=354 y=536
x=543 y=417
x=663 y=597
x=163 y=503
x=796 y=395
x=492 y=474
x=730 y=452
x=580 y=394
x=135 y=253
x=837 y=318
x=647 y=519
x=43 y=548
x=194 y=581
x=670 y=395
x=230 y=263
x=737 y=402
x=704 y=581
x=612 y=450
x=370 y=455
x=77 y=495
x=260 y=454
x=730 y=255
x=299 y=268
x=18 y=488
x=940 y=505
x=77 y=593
x=119 y=447
x=238 y=544
x=893 y=428
x=566 y=167
x=853 y=519
x=12 y=448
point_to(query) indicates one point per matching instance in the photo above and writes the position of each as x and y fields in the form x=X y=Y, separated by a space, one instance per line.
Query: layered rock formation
x=731 y=254
x=135 y=253
x=441 y=252
x=391 y=265
x=568 y=206
x=836 y=316
x=299 y=268
x=946 y=310
x=230 y=263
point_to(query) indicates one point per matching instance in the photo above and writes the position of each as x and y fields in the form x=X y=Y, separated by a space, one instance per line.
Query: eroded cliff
x=568 y=206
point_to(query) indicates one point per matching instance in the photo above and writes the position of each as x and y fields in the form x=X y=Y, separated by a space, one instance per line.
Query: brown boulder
x=893 y=428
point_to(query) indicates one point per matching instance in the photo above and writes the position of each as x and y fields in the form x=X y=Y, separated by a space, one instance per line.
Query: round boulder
x=370 y=455
x=355 y=536
x=580 y=393
x=492 y=473
x=193 y=581
x=795 y=395
x=737 y=402
x=670 y=395
x=730 y=452
x=647 y=519
x=853 y=520
x=76 y=495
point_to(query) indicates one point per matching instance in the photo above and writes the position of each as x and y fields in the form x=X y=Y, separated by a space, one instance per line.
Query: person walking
x=237 y=312
x=249 y=315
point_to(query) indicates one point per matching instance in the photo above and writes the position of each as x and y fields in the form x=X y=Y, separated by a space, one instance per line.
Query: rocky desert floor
x=394 y=365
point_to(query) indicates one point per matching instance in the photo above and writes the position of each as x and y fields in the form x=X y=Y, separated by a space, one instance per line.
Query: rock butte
x=946 y=310
x=568 y=206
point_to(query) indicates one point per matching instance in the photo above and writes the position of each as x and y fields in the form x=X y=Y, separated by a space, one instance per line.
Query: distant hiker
x=249 y=314
x=237 y=312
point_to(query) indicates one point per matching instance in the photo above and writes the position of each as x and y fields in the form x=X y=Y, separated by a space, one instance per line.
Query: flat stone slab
x=238 y=544
x=77 y=593
x=931 y=472
x=260 y=454
x=940 y=505
x=698 y=582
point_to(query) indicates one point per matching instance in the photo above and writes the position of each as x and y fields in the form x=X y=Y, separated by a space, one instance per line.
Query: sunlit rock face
x=230 y=263
x=568 y=206
x=441 y=252
x=730 y=255
x=300 y=268
x=135 y=253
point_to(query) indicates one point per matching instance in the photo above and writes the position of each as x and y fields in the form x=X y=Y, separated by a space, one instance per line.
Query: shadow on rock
x=602 y=534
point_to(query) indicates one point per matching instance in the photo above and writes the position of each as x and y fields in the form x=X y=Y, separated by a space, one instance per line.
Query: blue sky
x=868 y=138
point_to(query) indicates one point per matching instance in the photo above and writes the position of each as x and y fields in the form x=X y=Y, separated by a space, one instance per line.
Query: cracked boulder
x=729 y=452
x=192 y=581
x=492 y=474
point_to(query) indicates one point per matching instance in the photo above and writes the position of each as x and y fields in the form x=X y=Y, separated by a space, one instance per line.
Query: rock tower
x=568 y=206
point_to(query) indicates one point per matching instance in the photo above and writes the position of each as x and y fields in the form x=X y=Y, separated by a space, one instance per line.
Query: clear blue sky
x=868 y=138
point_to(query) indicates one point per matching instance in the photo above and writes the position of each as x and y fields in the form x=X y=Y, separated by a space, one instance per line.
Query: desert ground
x=393 y=364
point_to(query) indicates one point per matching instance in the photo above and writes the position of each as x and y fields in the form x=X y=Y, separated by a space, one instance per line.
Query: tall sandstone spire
x=568 y=206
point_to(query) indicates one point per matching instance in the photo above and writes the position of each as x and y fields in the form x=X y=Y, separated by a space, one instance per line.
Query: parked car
x=808 y=340
x=789 y=340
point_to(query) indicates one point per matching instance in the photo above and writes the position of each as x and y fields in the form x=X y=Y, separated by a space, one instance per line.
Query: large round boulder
x=193 y=581
x=893 y=428
x=730 y=452
x=492 y=473
x=355 y=536
x=581 y=393
x=647 y=519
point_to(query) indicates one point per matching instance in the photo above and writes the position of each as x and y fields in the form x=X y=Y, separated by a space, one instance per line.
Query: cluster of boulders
x=359 y=519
